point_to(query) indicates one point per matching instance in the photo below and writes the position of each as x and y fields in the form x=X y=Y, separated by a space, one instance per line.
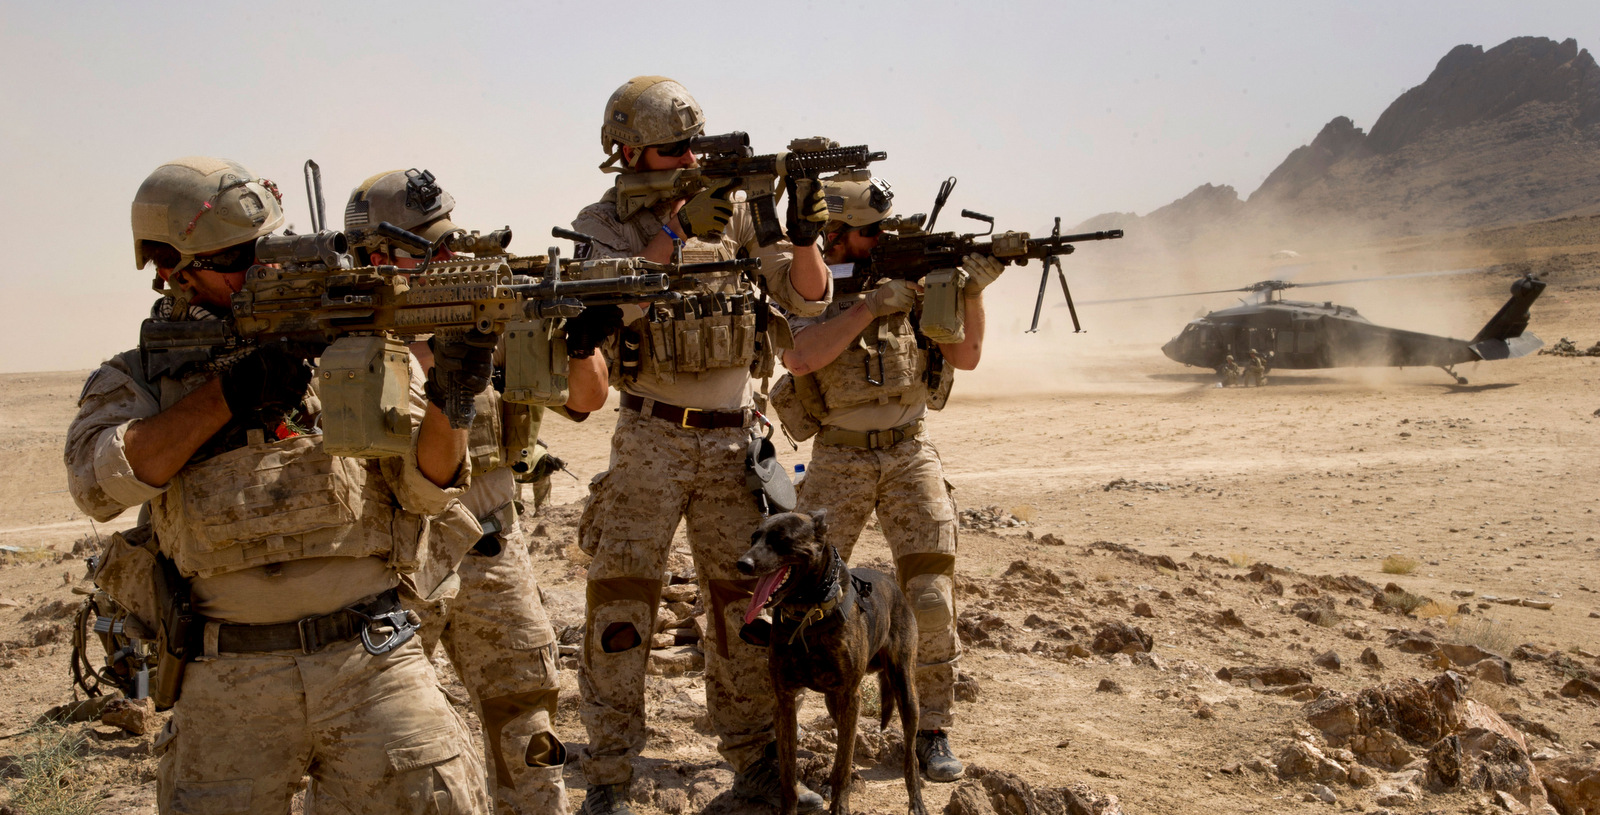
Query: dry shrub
x=1400 y=564
x=871 y=702
x=1435 y=609
x=47 y=783
x=1487 y=633
x=1403 y=601
x=1240 y=560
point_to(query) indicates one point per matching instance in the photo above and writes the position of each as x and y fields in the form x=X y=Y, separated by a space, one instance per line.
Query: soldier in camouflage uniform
x=679 y=448
x=862 y=377
x=292 y=556
x=494 y=628
x=1255 y=374
x=1228 y=372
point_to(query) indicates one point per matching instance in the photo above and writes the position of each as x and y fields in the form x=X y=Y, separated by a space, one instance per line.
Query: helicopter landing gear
x=1450 y=369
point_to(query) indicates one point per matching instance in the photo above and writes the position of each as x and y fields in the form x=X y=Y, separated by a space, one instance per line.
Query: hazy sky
x=1040 y=108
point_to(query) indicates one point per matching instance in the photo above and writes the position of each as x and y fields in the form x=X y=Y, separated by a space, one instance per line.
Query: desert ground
x=1235 y=528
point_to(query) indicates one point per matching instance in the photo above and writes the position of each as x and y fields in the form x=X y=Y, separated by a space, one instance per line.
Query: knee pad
x=928 y=580
x=620 y=610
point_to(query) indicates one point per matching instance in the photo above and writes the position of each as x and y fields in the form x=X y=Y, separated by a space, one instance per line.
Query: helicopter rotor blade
x=1444 y=273
x=1161 y=296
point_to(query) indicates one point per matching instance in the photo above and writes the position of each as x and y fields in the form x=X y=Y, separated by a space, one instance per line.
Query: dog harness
x=835 y=592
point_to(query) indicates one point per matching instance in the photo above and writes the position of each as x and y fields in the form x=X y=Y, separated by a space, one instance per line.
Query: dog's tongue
x=764 y=588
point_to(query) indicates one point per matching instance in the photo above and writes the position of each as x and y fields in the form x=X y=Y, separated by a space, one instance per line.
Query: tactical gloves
x=808 y=212
x=461 y=370
x=706 y=215
x=981 y=271
x=586 y=331
x=266 y=385
x=892 y=297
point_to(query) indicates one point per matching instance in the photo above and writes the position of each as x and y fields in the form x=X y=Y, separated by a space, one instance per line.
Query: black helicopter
x=1298 y=335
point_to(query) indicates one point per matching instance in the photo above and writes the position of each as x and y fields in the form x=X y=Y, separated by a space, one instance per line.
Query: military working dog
x=831 y=626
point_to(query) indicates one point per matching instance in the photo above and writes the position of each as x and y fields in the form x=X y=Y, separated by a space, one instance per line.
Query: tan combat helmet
x=199 y=205
x=648 y=110
x=410 y=199
x=856 y=199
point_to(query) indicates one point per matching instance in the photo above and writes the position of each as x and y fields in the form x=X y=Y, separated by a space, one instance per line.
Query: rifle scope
x=328 y=248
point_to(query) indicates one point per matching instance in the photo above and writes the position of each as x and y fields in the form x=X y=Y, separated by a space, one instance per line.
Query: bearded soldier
x=680 y=444
x=862 y=378
x=494 y=629
x=302 y=654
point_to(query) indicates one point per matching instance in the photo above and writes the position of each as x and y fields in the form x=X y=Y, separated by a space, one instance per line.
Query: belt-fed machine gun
x=356 y=320
x=913 y=254
x=727 y=160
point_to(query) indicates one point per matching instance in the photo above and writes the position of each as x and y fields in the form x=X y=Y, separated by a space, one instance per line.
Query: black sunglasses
x=675 y=149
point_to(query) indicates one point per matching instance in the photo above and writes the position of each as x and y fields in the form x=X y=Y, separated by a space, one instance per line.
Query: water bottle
x=799 y=475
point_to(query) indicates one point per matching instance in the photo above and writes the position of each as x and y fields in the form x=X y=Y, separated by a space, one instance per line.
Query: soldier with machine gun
x=494 y=629
x=275 y=565
x=685 y=430
x=862 y=377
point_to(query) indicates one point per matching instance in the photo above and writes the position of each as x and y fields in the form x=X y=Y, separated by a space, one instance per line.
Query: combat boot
x=759 y=782
x=933 y=754
x=607 y=799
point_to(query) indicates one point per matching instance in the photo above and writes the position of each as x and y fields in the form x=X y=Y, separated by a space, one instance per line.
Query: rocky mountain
x=1503 y=135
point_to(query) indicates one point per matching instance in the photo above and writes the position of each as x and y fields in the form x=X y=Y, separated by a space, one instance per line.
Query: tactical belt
x=870 y=439
x=308 y=635
x=693 y=418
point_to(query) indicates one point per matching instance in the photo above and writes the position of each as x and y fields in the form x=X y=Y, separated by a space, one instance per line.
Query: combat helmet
x=648 y=110
x=198 y=205
x=857 y=199
x=410 y=199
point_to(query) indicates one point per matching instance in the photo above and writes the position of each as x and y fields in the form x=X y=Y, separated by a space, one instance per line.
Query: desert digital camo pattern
x=376 y=734
x=659 y=474
x=711 y=388
x=497 y=635
x=916 y=511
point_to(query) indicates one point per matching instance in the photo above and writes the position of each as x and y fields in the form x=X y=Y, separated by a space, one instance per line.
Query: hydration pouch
x=536 y=363
x=944 y=306
x=766 y=477
x=798 y=422
x=364 y=384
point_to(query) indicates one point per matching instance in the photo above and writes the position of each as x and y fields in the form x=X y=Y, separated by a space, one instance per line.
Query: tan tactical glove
x=706 y=215
x=892 y=297
x=981 y=271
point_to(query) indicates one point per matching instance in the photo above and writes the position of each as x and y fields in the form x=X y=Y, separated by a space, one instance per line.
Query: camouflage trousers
x=499 y=639
x=661 y=473
x=905 y=485
x=376 y=734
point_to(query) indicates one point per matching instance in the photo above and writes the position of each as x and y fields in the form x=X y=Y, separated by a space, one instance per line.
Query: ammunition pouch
x=365 y=387
x=944 y=306
x=883 y=364
x=125 y=573
x=272 y=502
x=703 y=333
x=536 y=363
x=798 y=404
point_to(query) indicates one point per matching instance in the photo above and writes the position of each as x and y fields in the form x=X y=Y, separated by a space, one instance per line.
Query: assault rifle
x=727 y=160
x=306 y=291
x=914 y=256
